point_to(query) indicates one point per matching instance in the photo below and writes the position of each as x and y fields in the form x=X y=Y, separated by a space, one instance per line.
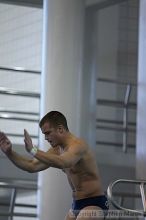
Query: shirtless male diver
x=70 y=154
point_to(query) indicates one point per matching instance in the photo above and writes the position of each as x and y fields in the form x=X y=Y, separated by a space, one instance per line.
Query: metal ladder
x=123 y=126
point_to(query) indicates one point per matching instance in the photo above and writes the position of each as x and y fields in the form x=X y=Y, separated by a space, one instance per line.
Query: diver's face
x=52 y=134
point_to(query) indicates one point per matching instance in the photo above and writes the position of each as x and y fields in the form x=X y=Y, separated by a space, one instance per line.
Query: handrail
x=20 y=135
x=10 y=117
x=19 y=69
x=141 y=183
x=143 y=196
x=5 y=91
x=19 y=205
x=18 y=214
x=15 y=184
x=3 y=110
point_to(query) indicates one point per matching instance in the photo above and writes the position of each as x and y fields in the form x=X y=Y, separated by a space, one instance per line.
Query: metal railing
x=7 y=91
x=16 y=115
x=20 y=70
x=119 y=126
x=10 y=203
x=111 y=195
x=125 y=116
x=14 y=186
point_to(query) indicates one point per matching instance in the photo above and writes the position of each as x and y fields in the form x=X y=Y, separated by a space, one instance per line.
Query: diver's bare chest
x=75 y=170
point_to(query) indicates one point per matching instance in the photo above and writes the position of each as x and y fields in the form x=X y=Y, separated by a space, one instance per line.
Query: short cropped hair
x=55 y=118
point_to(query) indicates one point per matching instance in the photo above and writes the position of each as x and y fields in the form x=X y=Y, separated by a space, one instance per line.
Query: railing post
x=143 y=197
x=12 y=204
x=125 y=117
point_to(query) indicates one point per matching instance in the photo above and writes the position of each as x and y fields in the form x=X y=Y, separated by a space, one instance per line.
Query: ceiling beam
x=39 y=3
x=104 y=4
x=28 y=3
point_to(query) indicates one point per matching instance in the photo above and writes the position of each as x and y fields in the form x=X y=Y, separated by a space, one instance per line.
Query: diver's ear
x=60 y=129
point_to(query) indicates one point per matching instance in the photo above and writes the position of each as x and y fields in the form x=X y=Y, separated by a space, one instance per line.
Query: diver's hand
x=5 y=143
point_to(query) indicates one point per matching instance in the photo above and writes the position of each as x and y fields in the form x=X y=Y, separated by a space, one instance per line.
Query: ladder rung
x=114 y=103
x=114 y=144
x=101 y=120
x=120 y=129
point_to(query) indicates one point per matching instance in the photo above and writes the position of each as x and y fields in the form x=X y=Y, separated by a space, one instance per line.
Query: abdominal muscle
x=84 y=187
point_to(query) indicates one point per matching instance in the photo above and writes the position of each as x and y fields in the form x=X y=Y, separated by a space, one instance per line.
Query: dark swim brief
x=100 y=201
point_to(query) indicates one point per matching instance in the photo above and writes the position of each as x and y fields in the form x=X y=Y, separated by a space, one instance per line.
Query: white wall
x=109 y=49
x=92 y=2
x=20 y=36
x=28 y=198
x=141 y=99
x=20 y=46
x=113 y=163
